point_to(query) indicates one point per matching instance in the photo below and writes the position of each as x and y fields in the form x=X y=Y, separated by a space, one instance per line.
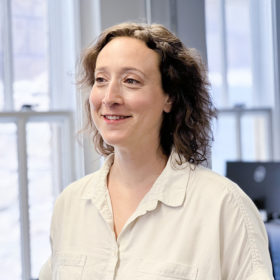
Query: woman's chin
x=115 y=141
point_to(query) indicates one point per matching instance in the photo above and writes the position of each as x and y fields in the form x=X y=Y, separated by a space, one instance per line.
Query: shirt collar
x=169 y=188
x=97 y=185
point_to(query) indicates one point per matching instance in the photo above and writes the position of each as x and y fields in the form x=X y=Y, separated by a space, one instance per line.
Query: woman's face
x=127 y=100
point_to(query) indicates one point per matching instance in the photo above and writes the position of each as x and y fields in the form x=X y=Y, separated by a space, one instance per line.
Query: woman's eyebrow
x=134 y=69
x=123 y=70
x=100 y=69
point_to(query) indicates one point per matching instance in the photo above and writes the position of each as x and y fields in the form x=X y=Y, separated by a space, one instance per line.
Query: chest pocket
x=151 y=270
x=68 y=266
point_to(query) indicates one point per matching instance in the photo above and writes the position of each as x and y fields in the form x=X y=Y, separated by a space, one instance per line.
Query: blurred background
x=41 y=109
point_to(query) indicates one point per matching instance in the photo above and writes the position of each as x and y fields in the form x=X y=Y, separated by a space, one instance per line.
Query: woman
x=152 y=211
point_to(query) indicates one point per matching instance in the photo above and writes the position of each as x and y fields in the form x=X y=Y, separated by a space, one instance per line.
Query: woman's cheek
x=95 y=100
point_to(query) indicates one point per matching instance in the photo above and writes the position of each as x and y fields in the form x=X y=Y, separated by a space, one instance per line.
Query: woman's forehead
x=128 y=51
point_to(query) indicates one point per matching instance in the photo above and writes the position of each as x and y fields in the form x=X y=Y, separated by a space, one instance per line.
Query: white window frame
x=276 y=49
x=273 y=126
x=64 y=49
x=5 y=7
x=238 y=114
x=21 y=119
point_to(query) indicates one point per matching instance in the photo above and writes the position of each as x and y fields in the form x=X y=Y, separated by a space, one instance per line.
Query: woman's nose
x=112 y=94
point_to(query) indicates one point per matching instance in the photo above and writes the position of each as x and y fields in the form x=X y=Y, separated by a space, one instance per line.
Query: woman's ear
x=168 y=104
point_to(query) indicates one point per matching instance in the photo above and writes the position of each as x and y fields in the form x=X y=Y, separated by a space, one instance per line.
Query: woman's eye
x=99 y=80
x=132 y=81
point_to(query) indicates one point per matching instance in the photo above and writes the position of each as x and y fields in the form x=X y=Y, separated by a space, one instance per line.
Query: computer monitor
x=260 y=180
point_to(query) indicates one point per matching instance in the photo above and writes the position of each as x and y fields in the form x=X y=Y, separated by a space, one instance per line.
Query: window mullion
x=7 y=55
x=148 y=11
x=224 y=55
x=173 y=15
x=276 y=48
x=23 y=199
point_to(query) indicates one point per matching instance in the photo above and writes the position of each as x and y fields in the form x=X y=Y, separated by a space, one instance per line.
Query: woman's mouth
x=114 y=117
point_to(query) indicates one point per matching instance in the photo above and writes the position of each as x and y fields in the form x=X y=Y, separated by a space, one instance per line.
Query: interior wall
x=114 y=12
x=191 y=25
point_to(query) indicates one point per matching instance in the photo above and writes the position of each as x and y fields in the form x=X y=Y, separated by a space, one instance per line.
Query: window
x=36 y=131
x=29 y=22
x=240 y=60
x=9 y=214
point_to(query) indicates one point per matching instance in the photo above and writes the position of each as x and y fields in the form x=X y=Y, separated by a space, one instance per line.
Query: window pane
x=10 y=262
x=224 y=146
x=239 y=54
x=255 y=138
x=262 y=53
x=42 y=159
x=30 y=42
x=214 y=50
x=248 y=61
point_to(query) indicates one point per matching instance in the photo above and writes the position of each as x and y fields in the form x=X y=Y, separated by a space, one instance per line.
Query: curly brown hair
x=187 y=127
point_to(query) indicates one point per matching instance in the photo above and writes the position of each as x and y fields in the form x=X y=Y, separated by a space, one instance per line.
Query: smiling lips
x=114 y=117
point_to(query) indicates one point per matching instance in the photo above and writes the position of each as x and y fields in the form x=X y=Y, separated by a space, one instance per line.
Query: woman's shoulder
x=214 y=193
x=79 y=187
x=200 y=177
x=210 y=184
x=85 y=186
x=207 y=174
x=204 y=182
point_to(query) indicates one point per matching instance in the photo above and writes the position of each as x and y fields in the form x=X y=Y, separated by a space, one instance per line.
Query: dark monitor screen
x=260 y=180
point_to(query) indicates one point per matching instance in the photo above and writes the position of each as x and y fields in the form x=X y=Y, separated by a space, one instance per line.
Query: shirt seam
x=256 y=260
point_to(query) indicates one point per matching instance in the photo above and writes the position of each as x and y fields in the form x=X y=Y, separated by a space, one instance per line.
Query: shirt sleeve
x=260 y=275
x=244 y=243
x=46 y=271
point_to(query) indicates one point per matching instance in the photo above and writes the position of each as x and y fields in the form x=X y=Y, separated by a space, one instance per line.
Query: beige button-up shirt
x=193 y=224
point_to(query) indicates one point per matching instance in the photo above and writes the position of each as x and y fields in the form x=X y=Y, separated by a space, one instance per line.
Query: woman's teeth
x=115 y=117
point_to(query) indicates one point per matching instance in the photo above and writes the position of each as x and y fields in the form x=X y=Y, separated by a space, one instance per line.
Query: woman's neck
x=137 y=168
